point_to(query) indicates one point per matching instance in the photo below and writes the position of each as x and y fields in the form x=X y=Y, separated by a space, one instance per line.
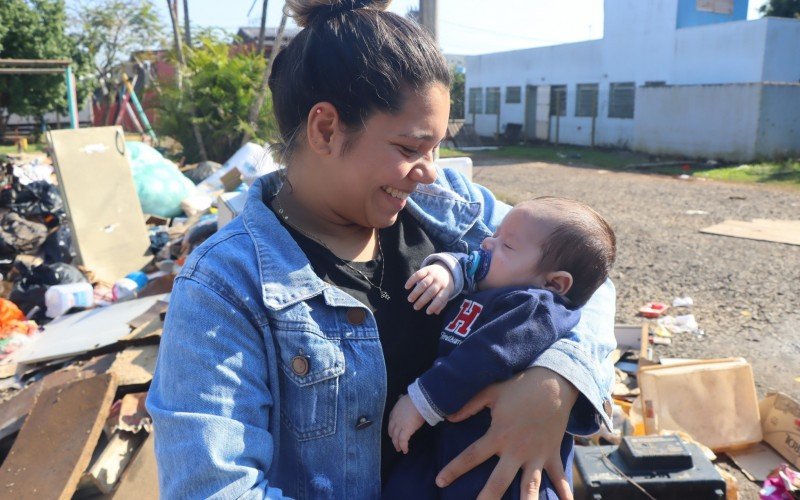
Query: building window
x=476 y=100
x=513 y=95
x=586 y=100
x=621 y=100
x=493 y=100
x=558 y=100
x=715 y=6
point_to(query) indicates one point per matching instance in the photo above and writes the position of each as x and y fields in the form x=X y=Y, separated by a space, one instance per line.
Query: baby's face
x=516 y=249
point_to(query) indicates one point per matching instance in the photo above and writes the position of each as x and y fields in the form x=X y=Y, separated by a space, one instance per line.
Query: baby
x=521 y=292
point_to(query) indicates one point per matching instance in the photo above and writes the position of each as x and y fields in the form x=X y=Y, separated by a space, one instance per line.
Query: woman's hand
x=529 y=418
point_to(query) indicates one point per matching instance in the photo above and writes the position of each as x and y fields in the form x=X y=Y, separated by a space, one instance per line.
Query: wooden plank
x=55 y=445
x=777 y=231
x=14 y=411
x=140 y=479
x=135 y=365
x=109 y=466
x=95 y=181
x=149 y=331
x=154 y=312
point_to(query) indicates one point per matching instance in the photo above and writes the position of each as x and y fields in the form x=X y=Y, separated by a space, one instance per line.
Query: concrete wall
x=638 y=40
x=725 y=53
x=689 y=15
x=711 y=121
x=782 y=50
x=778 y=134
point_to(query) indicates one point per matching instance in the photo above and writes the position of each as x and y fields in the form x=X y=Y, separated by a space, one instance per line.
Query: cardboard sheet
x=777 y=231
x=96 y=183
x=713 y=401
x=84 y=331
x=757 y=461
x=780 y=421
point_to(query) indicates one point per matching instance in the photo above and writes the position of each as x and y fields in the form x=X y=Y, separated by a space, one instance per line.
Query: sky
x=465 y=26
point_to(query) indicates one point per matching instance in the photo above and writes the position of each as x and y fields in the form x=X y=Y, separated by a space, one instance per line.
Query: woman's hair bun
x=305 y=12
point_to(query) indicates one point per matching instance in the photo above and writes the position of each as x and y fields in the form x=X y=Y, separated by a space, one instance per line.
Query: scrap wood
x=777 y=231
x=14 y=411
x=148 y=332
x=140 y=479
x=153 y=312
x=104 y=473
x=55 y=445
x=135 y=365
x=107 y=224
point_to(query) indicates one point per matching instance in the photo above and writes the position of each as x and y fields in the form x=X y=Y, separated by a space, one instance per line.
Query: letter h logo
x=463 y=321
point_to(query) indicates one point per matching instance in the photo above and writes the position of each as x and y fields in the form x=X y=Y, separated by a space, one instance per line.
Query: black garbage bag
x=202 y=171
x=37 y=200
x=58 y=246
x=19 y=235
x=28 y=290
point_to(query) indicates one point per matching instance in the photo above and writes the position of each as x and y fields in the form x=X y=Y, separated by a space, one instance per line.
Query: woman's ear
x=558 y=282
x=322 y=123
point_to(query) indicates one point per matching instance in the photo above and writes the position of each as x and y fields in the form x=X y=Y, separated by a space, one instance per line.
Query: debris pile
x=90 y=242
x=710 y=404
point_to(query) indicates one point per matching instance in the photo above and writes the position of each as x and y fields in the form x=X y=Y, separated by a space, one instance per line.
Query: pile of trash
x=707 y=408
x=80 y=323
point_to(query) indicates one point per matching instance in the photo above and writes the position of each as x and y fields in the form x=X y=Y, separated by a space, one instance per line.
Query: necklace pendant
x=385 y=295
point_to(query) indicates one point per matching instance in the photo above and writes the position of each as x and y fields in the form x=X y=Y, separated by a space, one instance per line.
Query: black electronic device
x=665 y=467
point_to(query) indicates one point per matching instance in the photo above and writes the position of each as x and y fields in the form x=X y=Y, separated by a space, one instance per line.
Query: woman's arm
x=209 y=400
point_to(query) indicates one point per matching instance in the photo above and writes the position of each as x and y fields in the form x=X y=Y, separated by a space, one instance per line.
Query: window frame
x=554 y=91
x=581 y=89
x=517 y=90
x=617 y=109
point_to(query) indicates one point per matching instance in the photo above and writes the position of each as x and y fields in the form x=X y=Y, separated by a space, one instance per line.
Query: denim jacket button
x=300 y=365
x=356 y=316
x=363 y=423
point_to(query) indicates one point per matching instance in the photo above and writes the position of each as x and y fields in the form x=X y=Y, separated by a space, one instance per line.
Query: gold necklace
x=383 y=293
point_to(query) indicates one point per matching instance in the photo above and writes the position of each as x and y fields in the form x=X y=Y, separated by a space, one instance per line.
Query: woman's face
x=372 y=178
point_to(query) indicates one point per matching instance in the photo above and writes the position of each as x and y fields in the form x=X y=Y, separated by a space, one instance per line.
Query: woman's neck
x=346 y=240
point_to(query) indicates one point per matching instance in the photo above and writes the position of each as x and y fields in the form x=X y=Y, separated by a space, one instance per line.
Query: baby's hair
x=581 y=243
x=354 y=55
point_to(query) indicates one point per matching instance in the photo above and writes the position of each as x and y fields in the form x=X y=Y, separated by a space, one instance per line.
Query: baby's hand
x=432 y=284
x=404 y=421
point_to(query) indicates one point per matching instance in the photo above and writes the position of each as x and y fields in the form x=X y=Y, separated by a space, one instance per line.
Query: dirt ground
x=746 y=293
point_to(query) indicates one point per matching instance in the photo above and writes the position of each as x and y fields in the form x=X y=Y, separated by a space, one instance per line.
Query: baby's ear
x=558 y=282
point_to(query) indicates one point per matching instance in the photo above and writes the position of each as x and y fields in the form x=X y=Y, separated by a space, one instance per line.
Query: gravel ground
x=745 y=292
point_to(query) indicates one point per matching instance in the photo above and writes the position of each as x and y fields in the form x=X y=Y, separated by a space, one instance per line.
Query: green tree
x=457 y=82
x=781 y=8
x=33 y=29
x=223 y=85
x=109 y=31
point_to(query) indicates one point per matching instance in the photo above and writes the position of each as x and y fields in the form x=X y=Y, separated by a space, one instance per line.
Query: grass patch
x=566 y=155
x=9 y=149
x=785 y=173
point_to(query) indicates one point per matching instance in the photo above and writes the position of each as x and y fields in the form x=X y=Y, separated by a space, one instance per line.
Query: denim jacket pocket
x=311 y=366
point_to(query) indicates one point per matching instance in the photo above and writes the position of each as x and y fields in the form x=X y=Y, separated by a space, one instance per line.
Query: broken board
x=777 y=231
x=96 y=183
x=55 y=445
x=84 y=331
x=135 y=365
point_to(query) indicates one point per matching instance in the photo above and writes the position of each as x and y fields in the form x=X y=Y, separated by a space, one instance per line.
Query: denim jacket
x=271 y=382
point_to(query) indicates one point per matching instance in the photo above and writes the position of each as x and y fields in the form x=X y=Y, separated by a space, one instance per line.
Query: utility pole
x=429 y=17
x=262 y=31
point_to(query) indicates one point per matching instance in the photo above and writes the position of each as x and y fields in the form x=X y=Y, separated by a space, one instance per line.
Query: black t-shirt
x=409 y=338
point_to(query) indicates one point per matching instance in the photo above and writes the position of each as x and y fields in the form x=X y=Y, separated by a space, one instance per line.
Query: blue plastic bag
x=159 y=184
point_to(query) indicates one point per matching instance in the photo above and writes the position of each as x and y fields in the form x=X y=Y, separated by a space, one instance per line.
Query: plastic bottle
x=128 y=287
x=61 y=298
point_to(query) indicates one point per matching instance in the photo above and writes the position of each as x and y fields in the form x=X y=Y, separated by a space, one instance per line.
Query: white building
x=685 y=77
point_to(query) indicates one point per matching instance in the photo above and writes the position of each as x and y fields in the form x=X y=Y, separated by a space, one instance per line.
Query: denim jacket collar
x=286 y=275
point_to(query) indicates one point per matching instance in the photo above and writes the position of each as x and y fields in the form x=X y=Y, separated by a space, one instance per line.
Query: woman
x=289 y=331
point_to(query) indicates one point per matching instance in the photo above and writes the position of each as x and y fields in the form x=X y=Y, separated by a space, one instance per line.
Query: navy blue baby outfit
x=488 y=336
